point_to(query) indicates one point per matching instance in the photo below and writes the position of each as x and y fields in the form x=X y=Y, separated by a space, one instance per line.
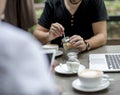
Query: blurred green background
x=39 y=1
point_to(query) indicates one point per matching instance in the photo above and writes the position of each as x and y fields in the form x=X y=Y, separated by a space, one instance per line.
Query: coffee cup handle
x=105 y=77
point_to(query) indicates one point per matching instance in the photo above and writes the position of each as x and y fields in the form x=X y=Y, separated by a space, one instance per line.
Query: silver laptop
x=109 y=62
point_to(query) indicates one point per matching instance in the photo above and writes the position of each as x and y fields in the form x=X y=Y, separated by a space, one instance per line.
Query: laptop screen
x=50 y=55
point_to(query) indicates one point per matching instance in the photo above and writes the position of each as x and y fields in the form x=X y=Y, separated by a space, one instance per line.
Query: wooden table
x=65 y=81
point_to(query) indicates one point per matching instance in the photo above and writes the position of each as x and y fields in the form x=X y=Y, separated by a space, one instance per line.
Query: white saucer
x=77 y=85
x=58 y=53
x=64 y=70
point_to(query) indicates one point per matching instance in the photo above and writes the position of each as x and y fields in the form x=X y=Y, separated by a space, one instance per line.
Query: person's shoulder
x=10 y=32
x=94 y=2
x=11 y=29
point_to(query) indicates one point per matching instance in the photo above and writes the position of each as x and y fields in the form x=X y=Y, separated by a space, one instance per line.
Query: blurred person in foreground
x=20 y=13
x=23 y=65
x=84 y=21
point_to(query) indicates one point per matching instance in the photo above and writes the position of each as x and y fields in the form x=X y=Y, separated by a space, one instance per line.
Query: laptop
x=108 y=62
x=50 y=55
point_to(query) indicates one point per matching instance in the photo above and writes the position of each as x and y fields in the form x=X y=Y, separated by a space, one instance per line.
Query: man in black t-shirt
x=84 y=21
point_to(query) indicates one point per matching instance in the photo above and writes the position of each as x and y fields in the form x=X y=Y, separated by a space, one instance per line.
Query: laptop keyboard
x=113 y=61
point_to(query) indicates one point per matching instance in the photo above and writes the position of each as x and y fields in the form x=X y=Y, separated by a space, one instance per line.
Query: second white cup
x=92 y=78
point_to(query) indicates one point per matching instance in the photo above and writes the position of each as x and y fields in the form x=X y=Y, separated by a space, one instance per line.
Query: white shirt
x=23 y=66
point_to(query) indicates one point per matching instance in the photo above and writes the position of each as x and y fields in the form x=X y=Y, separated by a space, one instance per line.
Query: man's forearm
x=97 y=41
x=43 y=37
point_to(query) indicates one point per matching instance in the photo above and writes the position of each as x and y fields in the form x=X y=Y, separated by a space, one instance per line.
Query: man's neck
x=71 y=7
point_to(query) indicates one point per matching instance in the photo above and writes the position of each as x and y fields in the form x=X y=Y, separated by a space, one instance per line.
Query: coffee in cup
x=66 y=44
x=91 y=78
x=68 y=47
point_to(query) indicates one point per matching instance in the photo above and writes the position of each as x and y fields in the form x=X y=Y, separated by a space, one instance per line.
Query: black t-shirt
x=80 y=23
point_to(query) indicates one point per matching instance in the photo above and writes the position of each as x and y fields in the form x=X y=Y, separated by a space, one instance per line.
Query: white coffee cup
x=92 y=78
x=72 y=62
x=73 y=66
x=51 y=46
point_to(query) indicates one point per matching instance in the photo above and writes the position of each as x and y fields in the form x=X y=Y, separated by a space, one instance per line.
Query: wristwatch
x=88 y=47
